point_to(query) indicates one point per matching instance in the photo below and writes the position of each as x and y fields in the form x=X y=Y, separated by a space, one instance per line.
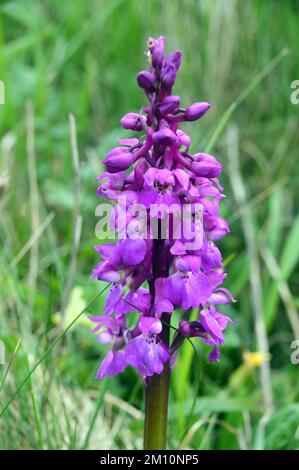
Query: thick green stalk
x=156 y=402
x=157 y=386
x=156 y=406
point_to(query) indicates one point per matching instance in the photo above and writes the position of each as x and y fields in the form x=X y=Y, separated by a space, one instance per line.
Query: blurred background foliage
x=82 y=57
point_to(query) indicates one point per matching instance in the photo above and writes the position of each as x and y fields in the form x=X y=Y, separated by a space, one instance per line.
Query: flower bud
x=169 y=105
x=218 y=230
x=183 y=138
x=175 y=59
x=193 y=328
x=164 y=137
x=118 y=159
x=156 y=47
x=196 y=111
x=146 y=80
x=168 y=75
x=211 y=256
x=205 y=165
x=132 y=121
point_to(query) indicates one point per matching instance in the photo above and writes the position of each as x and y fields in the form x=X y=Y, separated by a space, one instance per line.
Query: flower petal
x=114 y=363
x=133 y=251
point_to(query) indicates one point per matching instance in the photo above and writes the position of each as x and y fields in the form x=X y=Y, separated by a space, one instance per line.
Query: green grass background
x=82 y=57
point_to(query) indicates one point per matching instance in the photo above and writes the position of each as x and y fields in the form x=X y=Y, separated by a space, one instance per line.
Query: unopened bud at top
x=156 y=48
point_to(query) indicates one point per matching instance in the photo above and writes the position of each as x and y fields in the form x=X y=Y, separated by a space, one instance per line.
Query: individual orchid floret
x=188 y=286
x=146 y=352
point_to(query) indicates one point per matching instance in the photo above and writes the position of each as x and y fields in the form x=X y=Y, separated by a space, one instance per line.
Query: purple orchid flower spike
x=152 y=275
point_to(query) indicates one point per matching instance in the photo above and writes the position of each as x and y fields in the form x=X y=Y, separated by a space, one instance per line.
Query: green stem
x=156 y=401
x=157 y=386
x=156 y=406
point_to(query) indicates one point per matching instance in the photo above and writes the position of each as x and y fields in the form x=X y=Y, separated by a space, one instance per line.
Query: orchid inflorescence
x=150 y=276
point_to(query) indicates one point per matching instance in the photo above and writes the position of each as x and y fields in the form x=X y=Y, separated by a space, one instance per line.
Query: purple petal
x=150 y=325
x=114 y=363
x=182 y=177
x=197 y=290
x=211 y=325
x=108 y=322
x=133 y=251
x=173 y=288
x=164 y=137
x=178 y=248
x=105 y=272
x=113 y=298
x=147 y=356
x=128 y=142
x=165 y=176
x=223 y=320
x=139 y=300
x=163 y=306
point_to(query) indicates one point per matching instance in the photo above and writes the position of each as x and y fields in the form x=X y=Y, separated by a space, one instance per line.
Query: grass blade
x=245 y=93
x=50 y=348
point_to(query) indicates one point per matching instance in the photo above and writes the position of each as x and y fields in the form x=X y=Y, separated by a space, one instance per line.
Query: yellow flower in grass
x=255 y=359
